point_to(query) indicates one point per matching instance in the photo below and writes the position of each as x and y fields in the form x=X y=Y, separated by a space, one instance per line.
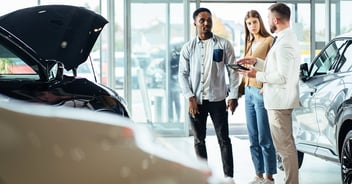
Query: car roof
x=349 y=34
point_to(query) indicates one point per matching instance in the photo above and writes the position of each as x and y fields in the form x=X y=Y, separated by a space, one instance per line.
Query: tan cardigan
x=260 y=52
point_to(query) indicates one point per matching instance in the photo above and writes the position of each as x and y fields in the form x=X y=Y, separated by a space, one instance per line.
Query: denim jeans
x=218 y=114
x=261 y=145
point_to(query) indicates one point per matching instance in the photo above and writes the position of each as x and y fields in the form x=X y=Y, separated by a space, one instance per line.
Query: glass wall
x=343 y=16
x=157 y=35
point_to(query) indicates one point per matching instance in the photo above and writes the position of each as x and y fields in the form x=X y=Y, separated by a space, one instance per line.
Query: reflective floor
x=313 y=170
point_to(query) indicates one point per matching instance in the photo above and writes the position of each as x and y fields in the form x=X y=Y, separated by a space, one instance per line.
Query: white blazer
x=280 y=72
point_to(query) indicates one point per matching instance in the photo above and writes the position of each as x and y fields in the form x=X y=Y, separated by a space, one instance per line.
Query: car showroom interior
x=90 y=92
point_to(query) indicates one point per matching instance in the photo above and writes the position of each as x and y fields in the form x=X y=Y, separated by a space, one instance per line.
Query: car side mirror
x=56 y=70
x=304 y=72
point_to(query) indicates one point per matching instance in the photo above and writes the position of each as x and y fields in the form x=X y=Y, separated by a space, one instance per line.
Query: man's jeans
x=219 y=116
x=261 y=145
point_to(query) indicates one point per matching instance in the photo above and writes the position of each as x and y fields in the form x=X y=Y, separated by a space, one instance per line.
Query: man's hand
x=251 y=73
x=192 y=106
x=232 y=105
x=247 y=60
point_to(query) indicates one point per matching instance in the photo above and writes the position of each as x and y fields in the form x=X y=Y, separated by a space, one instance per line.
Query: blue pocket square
x=217 y=55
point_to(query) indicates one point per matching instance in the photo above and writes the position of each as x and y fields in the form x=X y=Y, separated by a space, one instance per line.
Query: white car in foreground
x=42 y=144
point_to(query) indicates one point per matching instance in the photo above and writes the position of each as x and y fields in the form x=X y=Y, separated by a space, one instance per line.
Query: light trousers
x=281 y=131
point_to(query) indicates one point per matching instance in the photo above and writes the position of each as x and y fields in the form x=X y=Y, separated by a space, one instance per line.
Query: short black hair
x=282 y=10
x=199 y=10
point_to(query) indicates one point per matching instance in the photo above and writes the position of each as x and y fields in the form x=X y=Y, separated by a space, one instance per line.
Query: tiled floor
x=313 y=170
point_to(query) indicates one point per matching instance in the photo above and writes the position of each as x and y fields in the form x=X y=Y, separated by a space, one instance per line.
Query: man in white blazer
x=279 y=74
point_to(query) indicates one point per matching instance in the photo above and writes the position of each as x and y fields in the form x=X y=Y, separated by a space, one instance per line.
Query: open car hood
x=58 y=32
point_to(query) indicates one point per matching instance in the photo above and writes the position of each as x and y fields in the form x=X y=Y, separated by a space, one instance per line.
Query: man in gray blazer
x=280 y=75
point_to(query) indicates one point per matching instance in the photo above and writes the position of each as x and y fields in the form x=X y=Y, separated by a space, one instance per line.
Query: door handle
x=313 y=91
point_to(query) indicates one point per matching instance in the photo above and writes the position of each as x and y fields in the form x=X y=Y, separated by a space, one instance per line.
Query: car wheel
x=300 y=156
x=346 y=159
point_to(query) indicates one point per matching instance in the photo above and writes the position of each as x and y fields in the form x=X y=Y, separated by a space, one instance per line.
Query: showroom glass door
x=156 y=36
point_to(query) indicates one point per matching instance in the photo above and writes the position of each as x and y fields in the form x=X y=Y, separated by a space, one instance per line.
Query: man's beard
x=207 y=29
x=273 y=29
x=207 y=32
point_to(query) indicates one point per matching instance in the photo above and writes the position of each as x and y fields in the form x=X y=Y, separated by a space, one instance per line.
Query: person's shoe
x=267 y=181
x=256 y=180
x=230 y=180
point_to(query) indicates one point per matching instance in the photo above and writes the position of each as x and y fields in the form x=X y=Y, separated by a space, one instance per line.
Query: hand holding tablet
x=237 y=67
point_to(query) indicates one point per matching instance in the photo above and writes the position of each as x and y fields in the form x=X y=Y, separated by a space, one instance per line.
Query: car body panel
x=44 y=144
x=305 y=116
x=325 y=106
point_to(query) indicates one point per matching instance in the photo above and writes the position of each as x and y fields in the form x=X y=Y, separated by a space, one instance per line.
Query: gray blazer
x=280 y=72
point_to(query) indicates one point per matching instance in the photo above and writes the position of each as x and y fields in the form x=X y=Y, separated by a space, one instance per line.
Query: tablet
x=237 y=66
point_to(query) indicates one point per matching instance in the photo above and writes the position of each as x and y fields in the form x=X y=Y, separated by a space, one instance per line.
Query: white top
x=207 y=63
